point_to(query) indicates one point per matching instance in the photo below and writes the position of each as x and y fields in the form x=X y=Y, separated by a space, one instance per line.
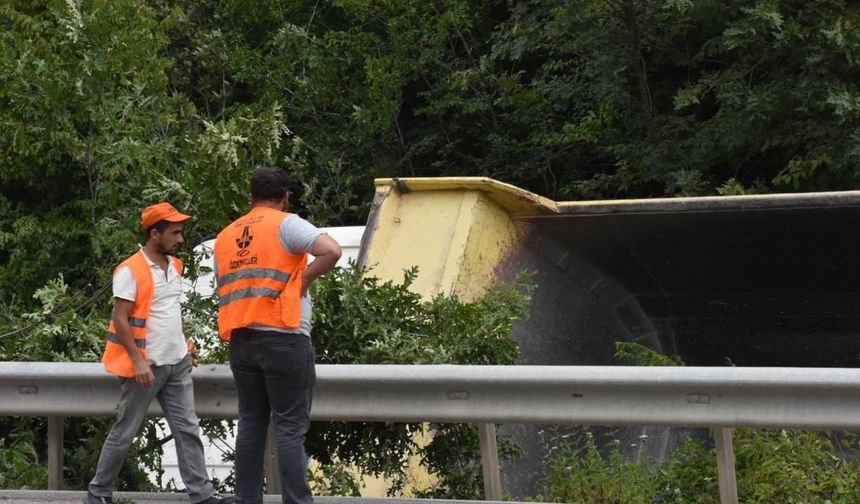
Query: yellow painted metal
x=492 y=233
x=514 y=200
x=455 y=230
x=420 y=229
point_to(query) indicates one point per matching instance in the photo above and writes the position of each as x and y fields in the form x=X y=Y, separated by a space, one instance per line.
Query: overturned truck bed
x=767 y=280
x=764 y=280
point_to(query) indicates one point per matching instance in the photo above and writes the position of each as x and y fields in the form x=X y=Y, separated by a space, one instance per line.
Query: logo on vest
x=244 y=241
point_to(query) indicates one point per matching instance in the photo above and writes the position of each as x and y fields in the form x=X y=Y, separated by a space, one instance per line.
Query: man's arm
x=121 y=311
x=326 y=252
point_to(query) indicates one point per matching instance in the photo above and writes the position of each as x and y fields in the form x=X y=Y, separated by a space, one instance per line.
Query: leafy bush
x=359 y=319
x=19 y=464
x=784 y=466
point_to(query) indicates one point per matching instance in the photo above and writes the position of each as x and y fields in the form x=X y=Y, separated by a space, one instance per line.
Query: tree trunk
x=637 y=63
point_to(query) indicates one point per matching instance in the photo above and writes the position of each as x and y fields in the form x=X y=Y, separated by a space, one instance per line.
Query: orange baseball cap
x=159 y=212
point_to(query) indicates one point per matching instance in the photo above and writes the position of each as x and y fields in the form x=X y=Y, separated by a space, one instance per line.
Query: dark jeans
x=274 y=374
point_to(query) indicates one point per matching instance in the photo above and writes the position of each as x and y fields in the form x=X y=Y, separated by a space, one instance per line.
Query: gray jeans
x=175 y=392
x=274 y=375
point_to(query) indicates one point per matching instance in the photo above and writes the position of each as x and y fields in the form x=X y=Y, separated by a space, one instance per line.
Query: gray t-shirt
x=297 y=236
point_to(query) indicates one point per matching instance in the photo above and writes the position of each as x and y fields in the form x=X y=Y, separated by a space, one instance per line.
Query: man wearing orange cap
x=147 y=349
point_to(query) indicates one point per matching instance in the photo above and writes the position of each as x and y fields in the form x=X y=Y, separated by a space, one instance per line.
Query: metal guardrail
x=573 y=395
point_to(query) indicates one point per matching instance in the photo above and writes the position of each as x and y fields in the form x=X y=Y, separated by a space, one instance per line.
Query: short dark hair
x=269 y=184
x=160 y=226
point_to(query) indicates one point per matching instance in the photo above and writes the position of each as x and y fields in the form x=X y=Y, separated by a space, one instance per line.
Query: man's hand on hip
x=326 y=252
x=192 y=350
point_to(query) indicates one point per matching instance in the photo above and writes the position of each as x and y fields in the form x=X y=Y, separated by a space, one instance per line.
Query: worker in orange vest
x=147 y=349
x=264 y=311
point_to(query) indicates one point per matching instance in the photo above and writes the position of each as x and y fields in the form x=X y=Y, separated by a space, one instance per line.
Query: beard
x=165 y=250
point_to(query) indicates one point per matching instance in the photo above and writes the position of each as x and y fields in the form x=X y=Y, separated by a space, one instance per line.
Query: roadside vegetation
x=588 y=466
x=109 y=105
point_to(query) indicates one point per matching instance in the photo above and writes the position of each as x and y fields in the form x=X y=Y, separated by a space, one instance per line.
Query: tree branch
x=637 y=62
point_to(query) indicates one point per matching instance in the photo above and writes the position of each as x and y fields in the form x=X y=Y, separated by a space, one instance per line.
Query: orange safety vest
x=259 y=283
x=116 y=358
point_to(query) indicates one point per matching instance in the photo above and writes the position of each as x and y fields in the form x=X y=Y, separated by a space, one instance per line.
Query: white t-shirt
x=165 y=341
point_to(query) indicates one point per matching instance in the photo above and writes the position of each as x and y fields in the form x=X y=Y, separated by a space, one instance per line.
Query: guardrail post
x=490 y=461
x=273 y=479
x=55 y=453
x=726 y=465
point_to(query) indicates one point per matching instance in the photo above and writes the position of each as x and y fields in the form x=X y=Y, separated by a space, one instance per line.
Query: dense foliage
x=791 y=466
x=772 y=466
x=106 y=105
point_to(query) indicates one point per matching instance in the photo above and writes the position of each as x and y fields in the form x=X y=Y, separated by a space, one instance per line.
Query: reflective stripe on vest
x=112 y=337
x=137 y=322
x=247 y=293
x=280 y=276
